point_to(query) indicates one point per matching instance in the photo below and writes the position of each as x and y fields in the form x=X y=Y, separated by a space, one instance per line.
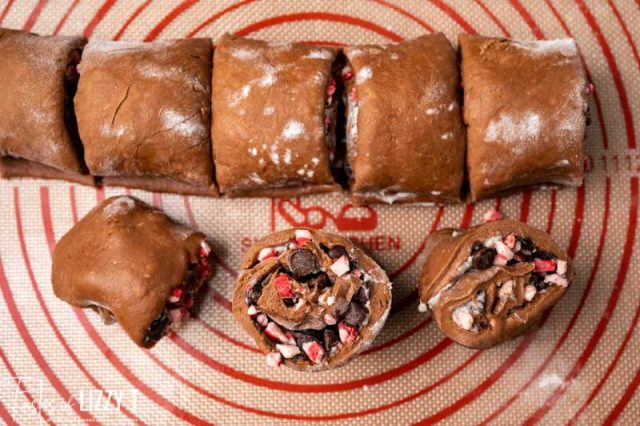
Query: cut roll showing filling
x=310 y=300
x=492 y=282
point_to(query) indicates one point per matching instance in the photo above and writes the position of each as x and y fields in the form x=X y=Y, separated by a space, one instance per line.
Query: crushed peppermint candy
x=491 y=216
x=340 y=266
x=274 y=359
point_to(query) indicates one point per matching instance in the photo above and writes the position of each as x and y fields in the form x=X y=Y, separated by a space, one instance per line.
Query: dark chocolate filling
x=196 y=276
x=71 y=78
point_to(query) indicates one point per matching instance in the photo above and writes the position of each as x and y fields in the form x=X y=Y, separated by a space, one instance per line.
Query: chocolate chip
x=253 y=294
x=544 y=255
x=291 y=301
x=476 y=247
x=330 y=339
x=526 y=244
x=356 y=314
x=302 y=338
x=537 y=280
x=361 y=295
x=319 y=281
x=302 y=263
x=484 y=259
x=337 y=252
x=157 y=328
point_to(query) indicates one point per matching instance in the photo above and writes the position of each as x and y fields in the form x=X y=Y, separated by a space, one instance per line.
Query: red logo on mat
x=349 y=218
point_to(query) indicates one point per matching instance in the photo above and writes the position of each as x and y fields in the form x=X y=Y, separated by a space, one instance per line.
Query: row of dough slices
x=290 y=119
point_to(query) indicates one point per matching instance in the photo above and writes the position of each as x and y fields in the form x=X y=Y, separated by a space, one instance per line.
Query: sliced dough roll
x=309 y=299
x=492 y=282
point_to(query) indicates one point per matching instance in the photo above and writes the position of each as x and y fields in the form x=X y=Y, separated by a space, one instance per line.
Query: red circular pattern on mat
x=442 y=412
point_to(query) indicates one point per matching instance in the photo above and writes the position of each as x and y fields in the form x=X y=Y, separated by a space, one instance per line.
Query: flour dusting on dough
x=363 y=75
x=244 y=54
x=287 y=156
x=510 y=129
x=241 y=94
x=119 y=206
x=565 y=46
x=107 y=130
x=269 y=110
x=293 y=130
x=181 y=124
x=435 y=93
x=319 y=54
x=270 y=76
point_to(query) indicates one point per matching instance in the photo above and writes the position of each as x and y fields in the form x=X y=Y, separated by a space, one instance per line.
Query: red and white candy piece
x=561 y=267
x=314 y=351
x=283 y=286
x=556 y=279
x=302 y=236
x=288 y=351
x=347 y=333
x=274 y=359
x=340 y=266
x=329 y=319
x=263 y=320
x=491 y=216
x=542 y=265
x=504 y=253
x=331 y=88
x=266 y=253
x=253 y=311
x=205 y=249
x=275 y=333
x=290 y=339
x=590 y=88
x=347 y=74
x=530 y=292
x=176 y=295
x=510 y=241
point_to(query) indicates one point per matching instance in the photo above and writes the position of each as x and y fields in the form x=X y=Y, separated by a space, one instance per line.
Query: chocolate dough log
x=144 y=114
x=274 y=115
x=38 y=133
x=525 y=105
x=492 y=282
x=309 y=299
x=405 y=139
x=132 y=264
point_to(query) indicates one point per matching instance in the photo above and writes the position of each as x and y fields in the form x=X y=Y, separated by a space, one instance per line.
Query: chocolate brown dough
x=144 y=114
x=274 y=118
x=405 y=139
x=525 y=105
x=131 y=263
x=36 y=108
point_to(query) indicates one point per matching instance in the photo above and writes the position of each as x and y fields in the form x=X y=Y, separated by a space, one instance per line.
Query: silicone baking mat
x=63 y=366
